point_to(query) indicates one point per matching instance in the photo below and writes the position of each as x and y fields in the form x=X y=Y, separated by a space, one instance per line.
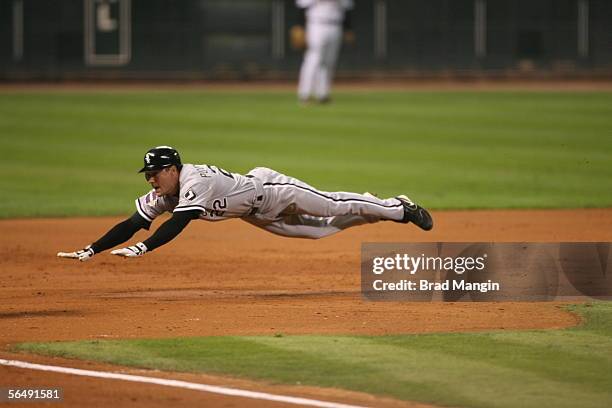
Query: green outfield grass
x=77 y=153
x=555 y=368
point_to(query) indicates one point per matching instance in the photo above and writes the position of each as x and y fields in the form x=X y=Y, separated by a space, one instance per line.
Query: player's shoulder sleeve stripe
x=189 y=208
x=142 y=212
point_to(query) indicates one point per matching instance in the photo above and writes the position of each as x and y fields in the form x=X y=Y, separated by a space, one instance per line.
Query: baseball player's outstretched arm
x=171 y=228
x=164 y=234
x=116 y=235
x=121 y=233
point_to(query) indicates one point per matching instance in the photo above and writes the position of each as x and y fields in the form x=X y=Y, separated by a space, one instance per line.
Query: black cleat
x=415 y=214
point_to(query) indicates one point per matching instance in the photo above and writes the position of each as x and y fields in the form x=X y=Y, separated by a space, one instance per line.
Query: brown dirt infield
x=231 y=278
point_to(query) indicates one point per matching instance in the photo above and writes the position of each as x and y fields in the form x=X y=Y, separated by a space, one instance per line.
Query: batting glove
x=82 y=255
x=132 y=251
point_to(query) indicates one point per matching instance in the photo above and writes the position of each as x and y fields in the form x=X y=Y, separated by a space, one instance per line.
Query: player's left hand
x=132 y=251
x=297 y=37
x=349 y=37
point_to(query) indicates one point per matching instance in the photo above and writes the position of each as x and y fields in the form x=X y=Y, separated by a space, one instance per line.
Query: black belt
x=258 y=200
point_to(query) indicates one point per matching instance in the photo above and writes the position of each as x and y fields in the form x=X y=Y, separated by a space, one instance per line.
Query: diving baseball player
x=265 y=198
x=325 y=21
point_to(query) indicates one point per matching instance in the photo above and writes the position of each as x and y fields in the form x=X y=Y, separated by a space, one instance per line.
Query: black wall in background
x=234 y=39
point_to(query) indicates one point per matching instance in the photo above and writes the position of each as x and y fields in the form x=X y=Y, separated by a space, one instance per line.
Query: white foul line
x=179 y=384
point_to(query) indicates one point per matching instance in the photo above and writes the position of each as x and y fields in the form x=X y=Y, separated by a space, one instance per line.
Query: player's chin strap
x=259 y=194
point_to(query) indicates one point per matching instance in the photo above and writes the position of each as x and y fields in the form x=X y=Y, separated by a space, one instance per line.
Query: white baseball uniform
x=270 y=200
x=324 y=20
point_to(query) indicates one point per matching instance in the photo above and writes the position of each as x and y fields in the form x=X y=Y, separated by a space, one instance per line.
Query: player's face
x=165 y=182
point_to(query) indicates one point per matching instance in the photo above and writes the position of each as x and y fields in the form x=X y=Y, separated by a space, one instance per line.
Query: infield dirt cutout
x=230 y=278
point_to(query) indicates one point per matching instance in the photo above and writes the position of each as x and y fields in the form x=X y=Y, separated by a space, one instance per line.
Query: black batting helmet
x=161 y=157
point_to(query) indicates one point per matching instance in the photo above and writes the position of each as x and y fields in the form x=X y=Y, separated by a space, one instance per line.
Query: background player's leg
x=307 y=74
x=328 y=63
x=311 y=63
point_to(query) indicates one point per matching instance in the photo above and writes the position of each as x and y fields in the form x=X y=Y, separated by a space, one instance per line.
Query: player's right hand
x=82 y=255
x=132 y=251
x=349 y=37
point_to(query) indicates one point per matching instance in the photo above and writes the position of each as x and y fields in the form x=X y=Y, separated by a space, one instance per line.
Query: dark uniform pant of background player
x=265 y=198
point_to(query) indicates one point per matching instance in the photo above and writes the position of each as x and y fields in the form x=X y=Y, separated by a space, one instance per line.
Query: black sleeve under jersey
x=301 y=16
x=171 y=228
x=347 y=24
x=121 y=233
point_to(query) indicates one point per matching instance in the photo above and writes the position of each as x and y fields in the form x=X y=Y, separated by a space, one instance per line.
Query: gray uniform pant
x=293 y=208
x=320 y=58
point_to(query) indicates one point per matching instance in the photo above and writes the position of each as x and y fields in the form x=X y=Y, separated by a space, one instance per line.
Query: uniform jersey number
x=219 y=207
x=226 y=173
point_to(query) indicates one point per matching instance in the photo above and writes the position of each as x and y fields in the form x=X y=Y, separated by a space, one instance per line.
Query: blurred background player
x=324 y=22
